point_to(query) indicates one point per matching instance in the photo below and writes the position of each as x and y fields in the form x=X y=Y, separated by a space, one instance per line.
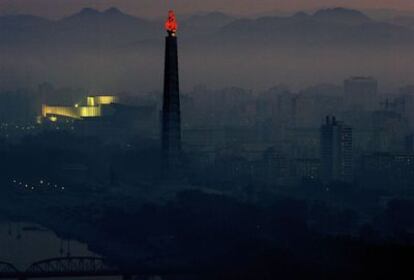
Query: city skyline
x=217 y=147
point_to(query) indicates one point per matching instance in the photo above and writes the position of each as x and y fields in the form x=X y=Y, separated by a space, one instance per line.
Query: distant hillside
x=331 y=26
x=23 y=29
x=113 y=28
x=407 y=21
x=199 y=26
x=341 y=15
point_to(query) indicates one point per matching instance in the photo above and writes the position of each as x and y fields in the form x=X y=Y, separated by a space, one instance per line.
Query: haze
x=155 y=8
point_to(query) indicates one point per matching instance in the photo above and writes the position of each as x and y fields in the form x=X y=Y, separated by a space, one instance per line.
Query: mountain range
x=112 y=27
x=329 y=26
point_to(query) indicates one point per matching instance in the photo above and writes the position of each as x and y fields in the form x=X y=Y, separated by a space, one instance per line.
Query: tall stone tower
x=171 y=114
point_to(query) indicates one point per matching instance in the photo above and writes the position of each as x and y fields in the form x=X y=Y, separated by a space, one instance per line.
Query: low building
x=103 y=115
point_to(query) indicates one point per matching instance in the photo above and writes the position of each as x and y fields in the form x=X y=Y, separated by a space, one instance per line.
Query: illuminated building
x=171 y=115
x=93 y=108
x=101 y=100
x=103 y=115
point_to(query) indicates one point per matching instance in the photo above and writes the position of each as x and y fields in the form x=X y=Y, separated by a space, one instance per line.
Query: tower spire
x=171 y=25
x=171 y=114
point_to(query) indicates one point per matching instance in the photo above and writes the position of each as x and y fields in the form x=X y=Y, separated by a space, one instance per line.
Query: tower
x=171 y=114
x=336 y=152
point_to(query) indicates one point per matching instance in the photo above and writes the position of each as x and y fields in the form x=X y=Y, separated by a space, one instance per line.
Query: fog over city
x=113 y=50
x=206 y=139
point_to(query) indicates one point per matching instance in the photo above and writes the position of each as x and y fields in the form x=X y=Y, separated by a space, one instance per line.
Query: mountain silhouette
x=329 y=26
x=341 y=15
x=114 y=28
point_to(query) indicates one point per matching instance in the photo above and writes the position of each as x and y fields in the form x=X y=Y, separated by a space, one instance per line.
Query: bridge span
x=72 y=267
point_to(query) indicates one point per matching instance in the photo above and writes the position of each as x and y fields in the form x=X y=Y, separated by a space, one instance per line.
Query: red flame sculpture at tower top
x=171 y=24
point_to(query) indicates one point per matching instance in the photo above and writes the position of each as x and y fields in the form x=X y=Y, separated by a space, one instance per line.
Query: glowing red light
x=171 y=24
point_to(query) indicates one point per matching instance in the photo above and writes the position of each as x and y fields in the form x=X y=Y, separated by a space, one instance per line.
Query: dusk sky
x=155 y=8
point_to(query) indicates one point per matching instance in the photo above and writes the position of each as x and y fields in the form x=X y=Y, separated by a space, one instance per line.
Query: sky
x=156 y=8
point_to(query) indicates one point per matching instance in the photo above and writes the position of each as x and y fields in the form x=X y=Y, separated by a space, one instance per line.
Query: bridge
x=79 y=267
x=7 y=268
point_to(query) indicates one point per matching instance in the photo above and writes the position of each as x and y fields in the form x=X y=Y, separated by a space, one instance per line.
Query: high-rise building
x=336 y=152
x=171 y=115
x=361 y=93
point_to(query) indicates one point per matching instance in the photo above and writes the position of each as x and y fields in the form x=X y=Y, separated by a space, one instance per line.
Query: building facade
x=336 y=152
